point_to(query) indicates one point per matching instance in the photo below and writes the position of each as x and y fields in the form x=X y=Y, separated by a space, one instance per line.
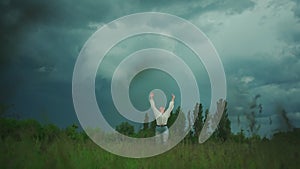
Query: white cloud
x=254 y=31
x=247 y=79
x=95 y=25
x=294 y=115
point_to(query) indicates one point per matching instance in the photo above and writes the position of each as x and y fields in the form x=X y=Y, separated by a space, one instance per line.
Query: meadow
x=28 y=144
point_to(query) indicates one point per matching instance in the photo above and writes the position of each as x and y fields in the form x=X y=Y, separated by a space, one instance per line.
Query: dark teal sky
x=258 y=43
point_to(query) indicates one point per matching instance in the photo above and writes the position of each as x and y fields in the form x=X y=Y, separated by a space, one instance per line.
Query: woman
x=161 y=116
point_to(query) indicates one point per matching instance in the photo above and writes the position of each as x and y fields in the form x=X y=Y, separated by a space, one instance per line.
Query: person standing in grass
x=161 y=116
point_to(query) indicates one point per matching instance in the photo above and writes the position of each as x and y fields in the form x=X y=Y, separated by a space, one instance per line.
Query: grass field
x=20 y=148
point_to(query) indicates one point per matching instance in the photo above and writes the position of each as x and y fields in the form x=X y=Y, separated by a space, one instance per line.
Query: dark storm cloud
x=267 y=69
x=260 y=52
x=281 y=72
x=277 y=89
x=297 y=8
x=188 y=9
x=26 y=25
x=41 y=39
x=65 y=13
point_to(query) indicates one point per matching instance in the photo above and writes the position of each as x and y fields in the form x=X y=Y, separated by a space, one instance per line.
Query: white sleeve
x=171 y=106
x=154 y=109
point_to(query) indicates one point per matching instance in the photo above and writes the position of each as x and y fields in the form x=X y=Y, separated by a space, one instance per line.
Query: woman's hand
x=151 y=95
x=173 y=97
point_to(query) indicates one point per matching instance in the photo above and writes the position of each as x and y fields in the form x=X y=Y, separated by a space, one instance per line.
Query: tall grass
x=62 y=151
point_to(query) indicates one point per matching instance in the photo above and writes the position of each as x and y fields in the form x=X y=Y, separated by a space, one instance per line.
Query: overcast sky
x=258 y=43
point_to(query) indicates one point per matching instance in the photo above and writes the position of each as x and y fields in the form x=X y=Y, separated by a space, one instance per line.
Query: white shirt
x=161 y=118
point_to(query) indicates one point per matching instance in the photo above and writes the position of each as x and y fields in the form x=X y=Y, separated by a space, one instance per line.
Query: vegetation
x=28 y=144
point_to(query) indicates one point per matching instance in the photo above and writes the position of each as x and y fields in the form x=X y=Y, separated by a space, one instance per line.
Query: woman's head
x=162 y=109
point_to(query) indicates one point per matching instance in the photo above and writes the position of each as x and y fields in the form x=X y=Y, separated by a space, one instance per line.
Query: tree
x=198 y=124
x=252 y=115
x=153 y=125
x=146 y=122
x=180 y=119
x=125 y=128
x=206 y=114
x=50 y=132
x=172 y=118
x=147 y=131
x=284 y=123
x=223 y=130
x=71 y=131
x=240 y=136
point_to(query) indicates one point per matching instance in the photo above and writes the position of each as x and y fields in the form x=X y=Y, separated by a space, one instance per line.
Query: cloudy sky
x=258 y=43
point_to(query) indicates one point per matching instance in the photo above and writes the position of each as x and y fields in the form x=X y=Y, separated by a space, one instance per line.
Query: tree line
x=18 y=129
x=195 y=122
